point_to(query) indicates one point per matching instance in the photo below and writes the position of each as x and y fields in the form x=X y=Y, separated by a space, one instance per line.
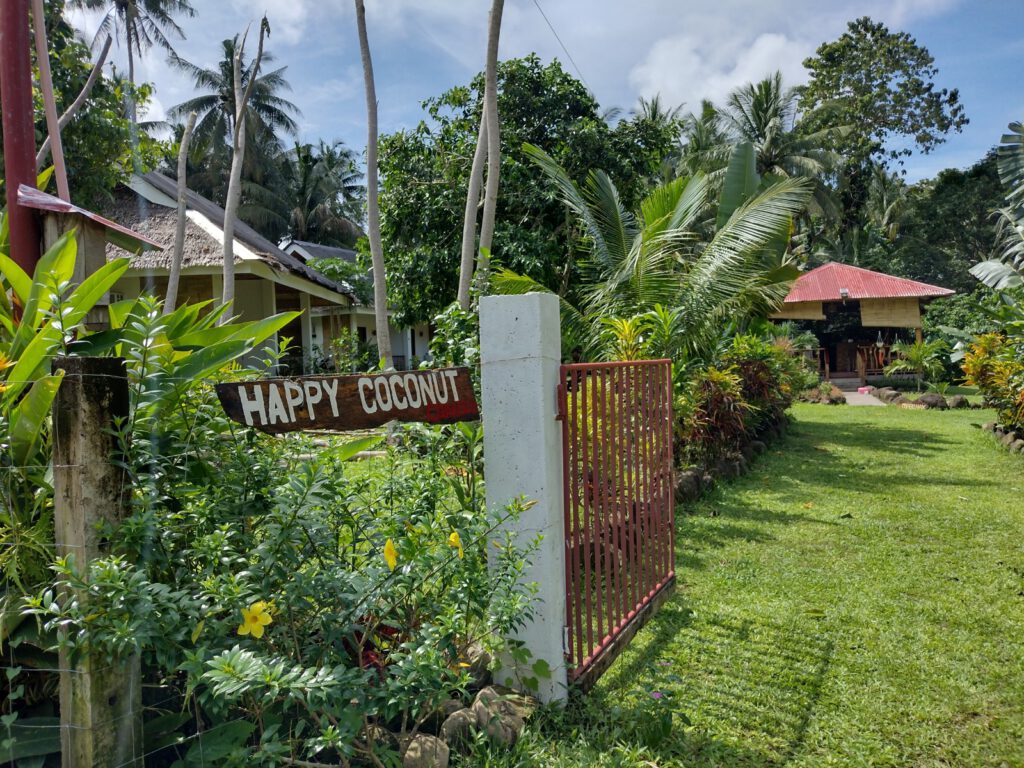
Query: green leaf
x=741 y=181
x=16 y=277
x=30 y=414
x=92 y=289
x=43 y=179
x=351 y=448
x=33 y=361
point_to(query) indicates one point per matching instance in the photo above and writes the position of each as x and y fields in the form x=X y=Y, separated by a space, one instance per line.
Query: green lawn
x=856 y=600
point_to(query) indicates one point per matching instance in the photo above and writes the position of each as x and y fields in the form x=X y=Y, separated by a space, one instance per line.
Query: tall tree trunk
x=76 y=105
x=179 y=229
x=49 y=103
x=234 y=195
x=133 y=111
x=476 y=177
x=380 y=290
x=493 y=142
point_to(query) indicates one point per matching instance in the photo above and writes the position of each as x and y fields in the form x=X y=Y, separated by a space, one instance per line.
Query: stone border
x=693 y=482
x=1010 y=439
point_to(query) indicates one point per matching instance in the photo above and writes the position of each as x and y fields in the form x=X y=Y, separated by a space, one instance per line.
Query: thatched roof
x=203 y=245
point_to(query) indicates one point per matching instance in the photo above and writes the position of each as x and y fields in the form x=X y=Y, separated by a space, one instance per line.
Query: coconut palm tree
x=765 y=114
x=267 y=113
x=321 y=193
x=140 y=24
x=657 y=265
x=706 y=146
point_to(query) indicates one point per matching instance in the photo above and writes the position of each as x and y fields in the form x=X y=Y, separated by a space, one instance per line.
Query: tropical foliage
x=922 y=358
x=681 y=270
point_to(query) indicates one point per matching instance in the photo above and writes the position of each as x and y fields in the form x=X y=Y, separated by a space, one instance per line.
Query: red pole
x=18 y=127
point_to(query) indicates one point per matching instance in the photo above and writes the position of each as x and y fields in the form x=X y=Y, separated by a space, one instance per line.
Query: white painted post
x=520 y=346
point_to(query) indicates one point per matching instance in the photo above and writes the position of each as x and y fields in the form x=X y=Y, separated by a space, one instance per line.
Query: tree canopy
x=881 y=83
x=426 y=169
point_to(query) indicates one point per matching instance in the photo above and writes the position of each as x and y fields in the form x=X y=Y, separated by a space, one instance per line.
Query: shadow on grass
x=749 y=687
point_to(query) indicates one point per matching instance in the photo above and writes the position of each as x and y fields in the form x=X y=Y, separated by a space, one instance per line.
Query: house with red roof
x=867 y=311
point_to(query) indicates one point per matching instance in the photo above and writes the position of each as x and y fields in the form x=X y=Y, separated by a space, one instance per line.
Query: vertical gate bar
x=600 y=524
x=669 y=437
x=653 y=427
x=567 y=492
x=587 y=510
x=649 y=481
x=595 y=515
x=623 y=433
x=668 y=492
x=638 y=513
x=601 y=503
x=628 y=400
x=659 y=467
x=576 y=498
x=607 y=488
x=616 y=445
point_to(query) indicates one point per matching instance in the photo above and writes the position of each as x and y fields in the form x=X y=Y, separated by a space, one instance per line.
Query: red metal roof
x=30 y=197
x=826 y=282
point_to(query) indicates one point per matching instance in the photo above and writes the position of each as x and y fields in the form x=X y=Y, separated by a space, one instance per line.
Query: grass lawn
x=856 y=600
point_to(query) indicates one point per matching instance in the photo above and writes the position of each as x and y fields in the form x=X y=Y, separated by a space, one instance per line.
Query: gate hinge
x=560 y=402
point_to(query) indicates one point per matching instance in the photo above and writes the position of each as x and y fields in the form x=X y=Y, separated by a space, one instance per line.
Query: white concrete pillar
x=520 y=347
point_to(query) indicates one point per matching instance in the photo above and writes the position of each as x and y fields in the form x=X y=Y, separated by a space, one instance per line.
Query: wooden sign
x=340 y=403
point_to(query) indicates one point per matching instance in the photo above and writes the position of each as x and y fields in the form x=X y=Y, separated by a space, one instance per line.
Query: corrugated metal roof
x=827 y=281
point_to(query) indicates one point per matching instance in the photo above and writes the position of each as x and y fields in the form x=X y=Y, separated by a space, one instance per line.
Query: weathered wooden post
x=521 y=351
x=100 y=702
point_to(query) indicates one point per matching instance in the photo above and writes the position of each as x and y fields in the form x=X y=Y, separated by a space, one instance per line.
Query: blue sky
x=684 y=51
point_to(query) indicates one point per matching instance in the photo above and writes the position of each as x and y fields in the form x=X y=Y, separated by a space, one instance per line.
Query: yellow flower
x=390 y=554
x=455 y=542
x=254 y=619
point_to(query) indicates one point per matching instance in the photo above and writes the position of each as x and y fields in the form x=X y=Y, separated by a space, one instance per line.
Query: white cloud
x=685 y=70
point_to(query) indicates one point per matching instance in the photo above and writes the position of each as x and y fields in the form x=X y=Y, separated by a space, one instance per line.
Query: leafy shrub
x=271 y=582
x=994 y=365
x=711 y=415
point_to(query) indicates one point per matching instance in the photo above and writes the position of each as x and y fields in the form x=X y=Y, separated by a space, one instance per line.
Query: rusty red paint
x=30 y=197
x=19 y=139
x=617 y=449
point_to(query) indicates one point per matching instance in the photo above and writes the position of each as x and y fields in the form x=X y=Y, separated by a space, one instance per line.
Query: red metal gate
x=619 y=536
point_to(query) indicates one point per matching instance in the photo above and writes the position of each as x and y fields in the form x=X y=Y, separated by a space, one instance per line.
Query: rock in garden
x=688 y=486
x=479 y=667
x=1017 y=446
x=959 y=401
x=457 y=730
x=989 y=426
x=707 y=482
x=502 y=713
x=380 y=736
x=425 y=751
x=433 y=722
x=1009 y=438
x=933 y=400
x=758 y=447
x=746 y=452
